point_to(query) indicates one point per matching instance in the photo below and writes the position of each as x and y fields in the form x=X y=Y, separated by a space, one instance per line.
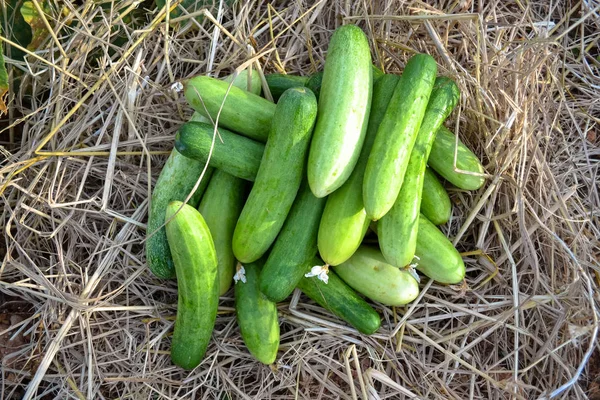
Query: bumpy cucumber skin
x=342 y=301
x=398 y=228
x=256 y=316
x=344 y=104
x=221 y=206
x=242 y=111
x=344 y=222
x=396 y=136
x=438 y=258
x=368 y=273
x=295 y=247
x=441 y=159
x=195 y=261
x=435 y=202
x=232 y=153
x=279 y=83
x=279 y=175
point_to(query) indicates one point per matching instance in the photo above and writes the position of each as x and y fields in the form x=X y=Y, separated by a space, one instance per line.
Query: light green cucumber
x=344 y=222
x=435 y=202
x=279 y=175
x=369 y=273
x=279 y=83
x=195 y=262
x=396 y=136
x=344 y=104
x=398 y=228
x=221 y=206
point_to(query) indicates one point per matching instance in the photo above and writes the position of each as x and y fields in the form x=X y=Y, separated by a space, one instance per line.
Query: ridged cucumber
x=369 y=273
x=344 y=222
x=435 y=202
x=396 y=136
x=398 y=228
x=279 y=175
x=295 y=247
x=256 y=316
x=279 y=83
x=344 y=104
x=195 y=262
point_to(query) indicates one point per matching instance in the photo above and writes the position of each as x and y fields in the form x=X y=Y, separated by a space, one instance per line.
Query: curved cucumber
x=441 y=159
x=221 y=206
x=279 y=175
x=195 y=261
x=342 y=301
x=344 y=105
x=242 y=111
x=396 y=136
x=295 y=247
x=344 y=222
x=368 y=273
x=232 y=153
x=435 y=202
x=398 y=228
x=257 y=317
x=279 y=83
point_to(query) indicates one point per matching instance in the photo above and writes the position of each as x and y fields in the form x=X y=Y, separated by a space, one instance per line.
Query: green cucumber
x=437 y=257
x=195 y=262
x=221 y=206
x=344 y=104
x=242 y=111
x=398 y=228
x=279 y=83
x=279 y=175
x=368 y=273
x=240 y=80
x=344 y=222
x=441 y=159
x=256 y=316
x=237 y=155
x=396 y=136
x=377 y=73
x=435 y=202
x=339 y=298
x=295 y=247
x=314 y=83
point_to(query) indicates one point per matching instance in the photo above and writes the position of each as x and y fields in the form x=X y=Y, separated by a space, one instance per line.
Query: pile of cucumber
x=289 y=191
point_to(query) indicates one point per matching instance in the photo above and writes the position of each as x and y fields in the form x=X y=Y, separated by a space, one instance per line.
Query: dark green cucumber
x=221 y=206
x=437 y=257
x=339 y=298
x=344 y=222
x=396 y=136
x=279 y=175
x=368 y=273
x=344 y=104
x=195 y=262
x=242 y=111
x=256 y=316
x=441 y=159
x=295 y=247
x=237 y=155
x=435 y=202
x=398 y=228
x=377 y=73
x=314 y=83
x=279 y=83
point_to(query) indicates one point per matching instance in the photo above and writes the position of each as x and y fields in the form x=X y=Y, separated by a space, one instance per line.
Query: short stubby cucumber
x=398 y=228
x=241 y=111
x=221 y=206
x=256 y=316
x=344 y=104
x=396 y=136
x=279 y=175
x=369 y=273
x=435 y=202
x=344 y=222
x=342 y=301
x=295 y=247
x=279 y=83
x=441 y=159
x=232 y=153
x=195 y=262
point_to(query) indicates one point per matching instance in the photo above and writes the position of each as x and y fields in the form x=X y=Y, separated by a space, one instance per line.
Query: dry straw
x=96 y=128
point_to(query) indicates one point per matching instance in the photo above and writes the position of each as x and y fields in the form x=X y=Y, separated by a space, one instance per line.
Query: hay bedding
x=522 y=326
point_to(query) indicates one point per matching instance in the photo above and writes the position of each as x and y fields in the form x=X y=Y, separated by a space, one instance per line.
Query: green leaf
x=16 y=28
x=35 y=21
x=3 y=83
